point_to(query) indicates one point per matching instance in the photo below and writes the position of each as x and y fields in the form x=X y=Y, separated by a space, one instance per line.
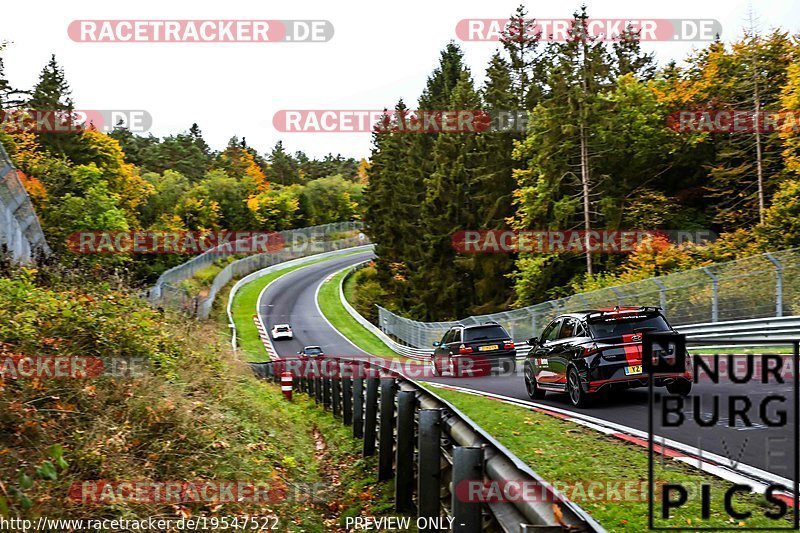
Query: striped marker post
x=286 y=385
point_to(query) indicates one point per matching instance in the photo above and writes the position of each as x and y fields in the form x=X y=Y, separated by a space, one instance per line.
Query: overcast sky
x=381 y=51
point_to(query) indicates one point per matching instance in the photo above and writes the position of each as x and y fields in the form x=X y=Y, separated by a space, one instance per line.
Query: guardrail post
x=429 y=471
x=778 y=283
x=386 y=431
x=318 y=387
x=404 y=482
x=347 y=395
x=336 y=392
x=714 y=294
x=358 y=404
x=370 y=416
x=326 y=388
x=467 y=466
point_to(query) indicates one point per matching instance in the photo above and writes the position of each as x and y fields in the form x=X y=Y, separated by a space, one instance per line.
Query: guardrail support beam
x=336 y=392
x=358 y=405
x=714 y=294
x=370 y=416
x=467 y=466
x=404 y=482
x=386 y=436
x=662 y=295
x=778 y=283
x=347 y=397
x=429 y=472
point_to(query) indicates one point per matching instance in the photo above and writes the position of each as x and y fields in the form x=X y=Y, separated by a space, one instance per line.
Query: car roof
x=310 y=347
x=281 y=326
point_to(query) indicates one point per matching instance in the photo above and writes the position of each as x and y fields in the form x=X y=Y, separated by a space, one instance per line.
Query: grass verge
x=331 y=306
x=193 y=414
x=573 y=456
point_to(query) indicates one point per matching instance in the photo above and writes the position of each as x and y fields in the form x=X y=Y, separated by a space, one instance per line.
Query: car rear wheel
x=577 y=396
x=681 y=388
x=435 y=370
x=533 y=389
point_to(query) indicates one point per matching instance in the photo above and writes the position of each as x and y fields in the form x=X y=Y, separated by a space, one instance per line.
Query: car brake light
x=464 y=349
x=589 y=350
x=508 y=345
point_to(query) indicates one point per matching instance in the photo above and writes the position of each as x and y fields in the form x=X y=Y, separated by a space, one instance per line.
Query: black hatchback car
x=467 y=351
x=595 y=351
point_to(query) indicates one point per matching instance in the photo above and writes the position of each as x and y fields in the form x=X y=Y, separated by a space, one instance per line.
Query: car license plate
x=631 y=370
x=488 y=348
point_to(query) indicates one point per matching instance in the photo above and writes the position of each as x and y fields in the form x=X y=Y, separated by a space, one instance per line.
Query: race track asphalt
x=291 y=299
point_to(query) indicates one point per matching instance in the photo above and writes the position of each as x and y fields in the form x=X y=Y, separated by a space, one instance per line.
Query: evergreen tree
x=52 y=94
x=283 y=168
x=443 y=281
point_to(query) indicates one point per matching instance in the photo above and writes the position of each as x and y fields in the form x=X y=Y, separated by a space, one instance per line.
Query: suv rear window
x=616 y=326
x=485 y=333
x=283 y=328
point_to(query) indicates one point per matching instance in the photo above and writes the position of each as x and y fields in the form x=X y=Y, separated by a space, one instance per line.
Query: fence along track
x=303 y=242
x=20 y=231
x=761 y=286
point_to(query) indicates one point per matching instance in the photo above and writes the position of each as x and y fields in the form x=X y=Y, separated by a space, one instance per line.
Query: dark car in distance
x=594 y=351
x=480 y=347
x=311 y=351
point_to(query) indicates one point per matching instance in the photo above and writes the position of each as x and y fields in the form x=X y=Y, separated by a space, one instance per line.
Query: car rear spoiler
x=623 y=312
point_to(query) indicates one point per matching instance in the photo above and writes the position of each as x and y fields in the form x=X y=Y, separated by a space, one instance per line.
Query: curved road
x=292 y=299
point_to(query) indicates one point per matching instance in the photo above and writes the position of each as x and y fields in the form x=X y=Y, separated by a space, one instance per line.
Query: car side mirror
x=534 y=341
x=436 y=343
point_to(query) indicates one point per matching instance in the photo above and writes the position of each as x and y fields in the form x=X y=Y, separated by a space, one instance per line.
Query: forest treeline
x=87 y=180
x=597 y=153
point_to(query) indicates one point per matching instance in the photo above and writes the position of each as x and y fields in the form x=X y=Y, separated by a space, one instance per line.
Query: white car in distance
x=281 y=331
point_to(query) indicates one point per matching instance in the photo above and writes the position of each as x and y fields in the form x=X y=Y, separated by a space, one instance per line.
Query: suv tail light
x=508 y=345
x=590 y=350
x=464 y=349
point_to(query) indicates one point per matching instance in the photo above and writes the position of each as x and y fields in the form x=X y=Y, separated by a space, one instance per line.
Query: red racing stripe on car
x=633 y=353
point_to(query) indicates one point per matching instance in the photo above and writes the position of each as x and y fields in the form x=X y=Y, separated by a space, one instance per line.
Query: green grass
x=200 y=282
x=332 y=308
x=563 y=452
x=244 y=307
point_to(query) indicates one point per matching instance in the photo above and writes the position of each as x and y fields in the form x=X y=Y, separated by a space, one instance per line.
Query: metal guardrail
x=303 y=242
x=20 y=231
x=761 y=286
x=401 y=349
x=430 y=448
x=753 y=330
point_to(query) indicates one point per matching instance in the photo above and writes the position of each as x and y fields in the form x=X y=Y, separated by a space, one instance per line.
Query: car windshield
x=615 y=326
x=313 y=351
x=283 y=328
x=485 y=333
